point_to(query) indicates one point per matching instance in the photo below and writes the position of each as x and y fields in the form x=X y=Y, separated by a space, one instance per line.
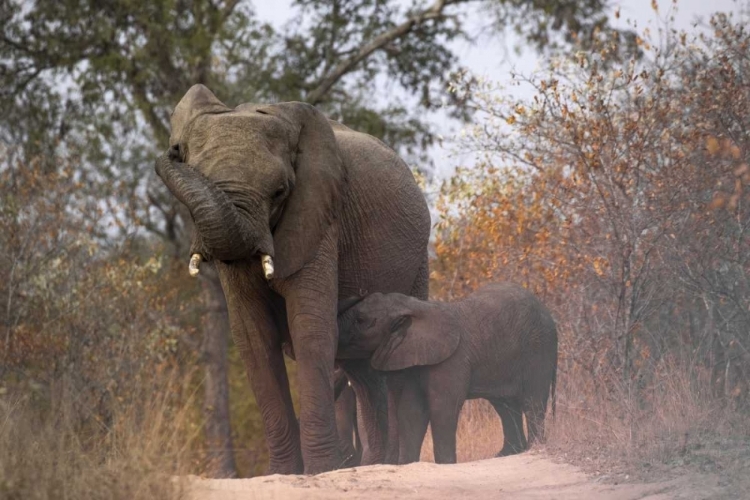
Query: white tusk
x=267 y=262
x=194 y=266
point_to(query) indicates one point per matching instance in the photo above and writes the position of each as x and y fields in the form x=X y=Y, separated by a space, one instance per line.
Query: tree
x=85 y=326
x=95 y=82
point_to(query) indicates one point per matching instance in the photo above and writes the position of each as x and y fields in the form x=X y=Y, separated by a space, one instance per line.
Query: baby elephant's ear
x=415 y=341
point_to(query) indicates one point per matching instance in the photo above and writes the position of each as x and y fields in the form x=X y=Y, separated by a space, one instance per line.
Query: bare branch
x=378 y=43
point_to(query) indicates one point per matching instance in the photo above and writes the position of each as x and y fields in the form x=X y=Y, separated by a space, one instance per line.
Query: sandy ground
x=525 y=476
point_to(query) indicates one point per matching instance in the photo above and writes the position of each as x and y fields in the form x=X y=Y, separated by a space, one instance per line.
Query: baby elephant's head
x=396 y=331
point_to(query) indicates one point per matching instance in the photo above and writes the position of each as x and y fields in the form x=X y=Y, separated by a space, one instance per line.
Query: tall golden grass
x=48 y=452
x=479 y=434
x=676 y=412
x=654 y=424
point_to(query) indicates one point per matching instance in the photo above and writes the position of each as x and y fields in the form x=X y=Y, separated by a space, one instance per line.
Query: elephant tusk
x=267 y=262
x=194 y=266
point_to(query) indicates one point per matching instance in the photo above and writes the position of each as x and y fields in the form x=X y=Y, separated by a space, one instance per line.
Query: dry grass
x=664 y=424
x=479 y=434
x=52 y=453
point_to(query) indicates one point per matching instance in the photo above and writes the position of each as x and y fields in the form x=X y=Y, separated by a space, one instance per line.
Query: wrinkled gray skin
x=338 y=211
x=500 y=344
x=346 y=420
x=345 y=404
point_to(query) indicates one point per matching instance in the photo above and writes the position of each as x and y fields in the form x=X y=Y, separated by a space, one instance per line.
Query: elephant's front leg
x=251 y=318
x=444 y=422
x=311 y=296
x=395 y=383
x=446 y=394
x=413 y=416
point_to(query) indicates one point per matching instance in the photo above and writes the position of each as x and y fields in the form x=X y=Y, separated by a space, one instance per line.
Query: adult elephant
x=297 y=211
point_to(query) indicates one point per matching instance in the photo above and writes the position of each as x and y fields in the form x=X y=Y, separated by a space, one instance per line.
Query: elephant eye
x=279 y=193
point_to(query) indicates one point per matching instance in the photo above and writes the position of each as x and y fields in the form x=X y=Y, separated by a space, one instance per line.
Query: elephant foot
x=370 y=457
x=317 y=466
x=293 y=466
x=391 y=459
x=349 y=460
x=509 y=450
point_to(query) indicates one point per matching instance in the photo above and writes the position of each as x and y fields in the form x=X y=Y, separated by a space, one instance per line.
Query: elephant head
x=398 y=331
x=257 y=179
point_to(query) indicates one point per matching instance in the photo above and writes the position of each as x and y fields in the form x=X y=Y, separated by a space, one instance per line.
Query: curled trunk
x=224 y=231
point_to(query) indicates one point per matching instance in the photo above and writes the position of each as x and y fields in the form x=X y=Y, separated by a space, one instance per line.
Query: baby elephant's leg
x=445 y=402
x=509 y=410
x=444 y=425
x=412 y=421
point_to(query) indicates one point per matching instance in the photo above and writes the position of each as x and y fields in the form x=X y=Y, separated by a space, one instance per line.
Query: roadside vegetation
x=620 y=193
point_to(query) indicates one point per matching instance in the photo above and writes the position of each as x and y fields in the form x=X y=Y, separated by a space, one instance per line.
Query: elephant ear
x=197 y=101
x=319 y=177
x=416 y=340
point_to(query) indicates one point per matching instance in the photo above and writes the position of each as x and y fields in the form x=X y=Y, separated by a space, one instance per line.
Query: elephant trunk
x=346 y=324
x=349 y=302
x=224 y=232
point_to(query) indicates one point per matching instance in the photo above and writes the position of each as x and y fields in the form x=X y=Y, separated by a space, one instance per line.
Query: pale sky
x=494 y=58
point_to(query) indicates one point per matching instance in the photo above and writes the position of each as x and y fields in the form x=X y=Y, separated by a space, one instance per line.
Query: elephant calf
x=500 y=344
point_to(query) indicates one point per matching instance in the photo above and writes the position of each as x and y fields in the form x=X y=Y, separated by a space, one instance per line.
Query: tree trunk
x=717 y=357
x=215 y=324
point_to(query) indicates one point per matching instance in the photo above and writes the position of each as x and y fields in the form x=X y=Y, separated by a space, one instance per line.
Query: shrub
x=619 y=194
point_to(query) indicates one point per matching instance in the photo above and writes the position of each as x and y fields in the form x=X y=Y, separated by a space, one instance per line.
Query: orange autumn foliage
x=619 y=194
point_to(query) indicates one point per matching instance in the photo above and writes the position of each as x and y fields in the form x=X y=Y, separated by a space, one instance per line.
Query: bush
x=97 y=355
x=619 y=194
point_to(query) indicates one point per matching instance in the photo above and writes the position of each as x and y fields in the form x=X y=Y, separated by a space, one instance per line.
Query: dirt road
x=521 y=477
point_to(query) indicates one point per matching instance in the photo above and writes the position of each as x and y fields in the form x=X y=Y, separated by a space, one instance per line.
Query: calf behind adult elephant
x=297 y=211
x=500 y=344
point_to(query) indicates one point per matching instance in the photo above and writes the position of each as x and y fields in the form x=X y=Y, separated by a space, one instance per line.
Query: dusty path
x=526 y=476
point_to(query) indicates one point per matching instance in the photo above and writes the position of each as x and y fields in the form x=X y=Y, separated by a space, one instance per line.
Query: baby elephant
x=499 y=343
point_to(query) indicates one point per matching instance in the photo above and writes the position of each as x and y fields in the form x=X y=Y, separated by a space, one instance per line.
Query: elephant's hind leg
x=510 y=414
